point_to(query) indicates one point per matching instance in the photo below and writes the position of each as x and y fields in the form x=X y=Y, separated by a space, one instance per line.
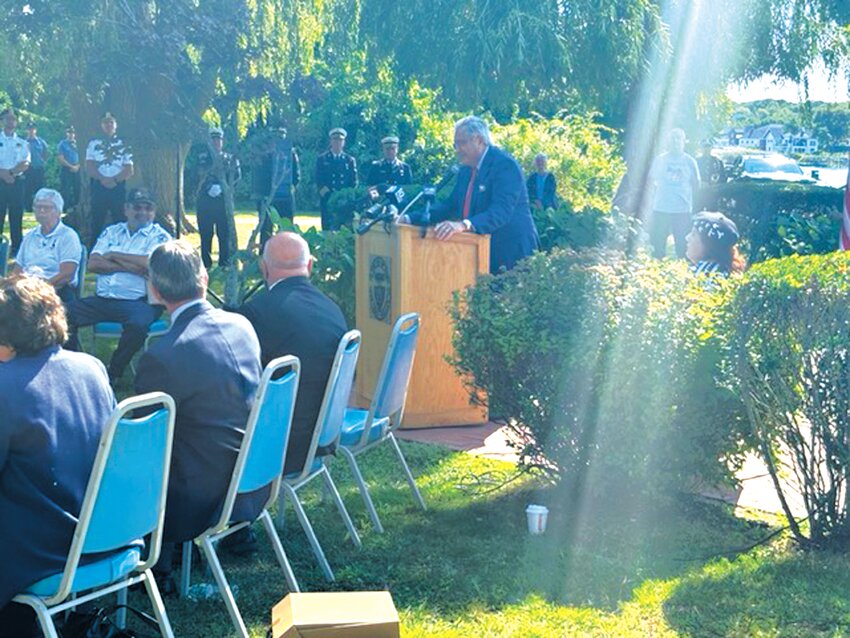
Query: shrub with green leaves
x=604 y=368
x=779 y=218
x=788 y=329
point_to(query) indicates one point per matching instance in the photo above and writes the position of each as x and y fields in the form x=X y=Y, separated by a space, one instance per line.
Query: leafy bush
x=789 y=358
x=777 y=218
x=333 y=267
x=604 y=369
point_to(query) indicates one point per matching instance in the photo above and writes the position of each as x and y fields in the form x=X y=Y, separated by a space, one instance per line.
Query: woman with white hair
x=52 y=250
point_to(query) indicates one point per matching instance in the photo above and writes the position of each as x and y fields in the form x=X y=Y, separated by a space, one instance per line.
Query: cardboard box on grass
x=336 y=615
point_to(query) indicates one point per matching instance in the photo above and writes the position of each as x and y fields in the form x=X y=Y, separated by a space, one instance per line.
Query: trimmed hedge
x=605 y=370
x=640 y=378
x=779 y=218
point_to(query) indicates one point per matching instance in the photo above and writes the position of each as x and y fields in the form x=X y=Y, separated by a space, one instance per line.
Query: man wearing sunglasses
x=120 y=260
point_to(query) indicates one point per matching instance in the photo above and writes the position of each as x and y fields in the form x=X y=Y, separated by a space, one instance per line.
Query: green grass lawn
x=467 y=566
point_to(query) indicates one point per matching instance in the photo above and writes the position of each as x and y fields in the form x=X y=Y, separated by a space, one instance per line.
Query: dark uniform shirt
x=382 y=172
x=336 y=172
x=228 y=171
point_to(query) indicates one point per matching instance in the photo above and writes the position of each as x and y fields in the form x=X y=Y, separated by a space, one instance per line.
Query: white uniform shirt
x=40 y=254
x=111 y=155
x=118 y=239
x=13 y=150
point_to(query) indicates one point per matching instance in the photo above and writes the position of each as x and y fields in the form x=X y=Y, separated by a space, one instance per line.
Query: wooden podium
x=399 y=272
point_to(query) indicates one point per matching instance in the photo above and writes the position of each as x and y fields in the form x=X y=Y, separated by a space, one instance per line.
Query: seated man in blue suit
x=209 y=361
x=489 y=197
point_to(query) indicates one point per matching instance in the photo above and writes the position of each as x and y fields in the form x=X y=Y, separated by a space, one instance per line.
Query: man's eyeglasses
x=146 y=207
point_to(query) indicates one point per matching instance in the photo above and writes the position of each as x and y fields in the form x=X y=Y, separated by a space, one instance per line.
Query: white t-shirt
x=675 y=177
x=111 y=155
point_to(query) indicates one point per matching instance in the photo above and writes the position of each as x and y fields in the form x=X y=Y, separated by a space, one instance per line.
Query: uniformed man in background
x=109 y=164
x=276 y=177
x=335 y=170
x=14 y=162
x=69 y=171
x=34 y=177
x=217 y=169
x=389 y=171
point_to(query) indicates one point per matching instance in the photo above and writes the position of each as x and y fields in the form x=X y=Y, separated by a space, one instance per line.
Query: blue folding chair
x=124 y=502
x=4 y=256
x=364 y=429
x=325 y=435
x=258 y=464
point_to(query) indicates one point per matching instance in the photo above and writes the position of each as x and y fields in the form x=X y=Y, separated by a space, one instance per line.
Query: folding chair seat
x=325 y=435
x=364 y=429
x=259 y=463
x=124 y=502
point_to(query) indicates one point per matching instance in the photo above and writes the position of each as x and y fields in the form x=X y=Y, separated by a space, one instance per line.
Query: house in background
x=772 y=138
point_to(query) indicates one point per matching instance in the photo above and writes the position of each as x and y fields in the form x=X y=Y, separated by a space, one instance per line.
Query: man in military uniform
x=389 y=171
x=276 y=177
x=109 y=164
x=218 y=170
x=14 y=162
x=335 y=170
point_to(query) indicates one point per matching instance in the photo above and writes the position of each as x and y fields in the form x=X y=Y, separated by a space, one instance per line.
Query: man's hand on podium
x=447 y=230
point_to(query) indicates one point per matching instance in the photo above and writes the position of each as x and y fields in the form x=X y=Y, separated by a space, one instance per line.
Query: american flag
x=844 y=241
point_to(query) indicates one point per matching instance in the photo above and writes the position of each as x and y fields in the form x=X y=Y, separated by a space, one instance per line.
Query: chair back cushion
x=398 y=365
x=271 y=429
x=338 y=389
x=127 y=501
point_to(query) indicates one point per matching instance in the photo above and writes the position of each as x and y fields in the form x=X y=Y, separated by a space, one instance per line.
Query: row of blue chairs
x=133 y=459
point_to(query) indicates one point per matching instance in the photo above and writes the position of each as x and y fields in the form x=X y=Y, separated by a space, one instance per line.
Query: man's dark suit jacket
x=210 y=363
x=499 y=207
x=547 y=197
x=296 y=318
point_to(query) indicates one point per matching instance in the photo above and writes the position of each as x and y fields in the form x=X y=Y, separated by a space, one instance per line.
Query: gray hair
x=176 y=271
x=472 y=125
x=541 y=156
x=54 y=196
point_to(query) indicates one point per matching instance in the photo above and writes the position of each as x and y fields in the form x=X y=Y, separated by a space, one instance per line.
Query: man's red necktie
x=468 y=199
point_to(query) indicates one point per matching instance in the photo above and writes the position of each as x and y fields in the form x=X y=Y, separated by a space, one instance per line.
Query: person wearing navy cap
x=712 y=245
x=335 y=170
x=390 y=170
x=218 y=169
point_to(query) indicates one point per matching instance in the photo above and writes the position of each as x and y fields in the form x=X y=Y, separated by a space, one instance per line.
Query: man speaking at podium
x=489 y=198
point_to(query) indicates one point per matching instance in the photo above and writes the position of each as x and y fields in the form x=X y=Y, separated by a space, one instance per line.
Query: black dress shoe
x=166 y=585
x=241 y=543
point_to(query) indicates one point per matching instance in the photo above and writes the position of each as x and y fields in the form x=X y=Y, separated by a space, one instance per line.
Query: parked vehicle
x=773 y=167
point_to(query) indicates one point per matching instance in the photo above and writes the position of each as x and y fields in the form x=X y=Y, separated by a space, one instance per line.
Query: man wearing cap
x=390 y=170
x=34 y=177
x=335 y=170
x=109 y=164
x=69 y=168
x=219 y=170
x=120 y=260
x=14 y=161
x=51 y=250
x=276 y=177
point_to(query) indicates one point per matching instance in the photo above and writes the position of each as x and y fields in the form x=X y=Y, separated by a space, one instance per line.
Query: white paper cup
x=537 y=516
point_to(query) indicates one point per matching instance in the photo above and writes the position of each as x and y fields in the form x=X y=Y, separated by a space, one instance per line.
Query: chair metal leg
x=223 y=587
x=158 y=607
x=364 y=490
x=45 y=620
x=121 y=614
x=185 y=570
x=311 y=535
x=329 y=482
x=417 y=496
x=274 y=539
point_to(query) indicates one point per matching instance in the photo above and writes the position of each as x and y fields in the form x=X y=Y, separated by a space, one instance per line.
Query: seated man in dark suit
x=489 y=198
x=209 y=361
x=292 y=317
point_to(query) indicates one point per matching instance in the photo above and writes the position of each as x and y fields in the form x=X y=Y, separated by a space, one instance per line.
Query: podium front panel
x=403 y=272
